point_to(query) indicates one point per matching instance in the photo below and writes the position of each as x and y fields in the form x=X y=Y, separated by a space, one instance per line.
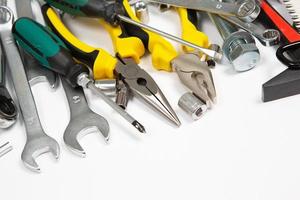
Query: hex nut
x=241 y=50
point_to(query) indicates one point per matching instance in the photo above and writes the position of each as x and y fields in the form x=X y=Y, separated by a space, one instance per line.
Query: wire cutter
x=123 y=67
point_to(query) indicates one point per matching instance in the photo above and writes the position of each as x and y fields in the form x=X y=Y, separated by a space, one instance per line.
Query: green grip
x=37 y=40
x=47 y=48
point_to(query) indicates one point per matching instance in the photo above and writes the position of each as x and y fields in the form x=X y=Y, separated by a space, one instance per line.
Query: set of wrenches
x=25 y=73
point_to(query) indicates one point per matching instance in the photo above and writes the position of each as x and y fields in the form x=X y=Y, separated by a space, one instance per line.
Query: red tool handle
x=285 y=28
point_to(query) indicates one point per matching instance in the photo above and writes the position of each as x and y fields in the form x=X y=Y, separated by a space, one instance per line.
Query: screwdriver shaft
x=209 y=52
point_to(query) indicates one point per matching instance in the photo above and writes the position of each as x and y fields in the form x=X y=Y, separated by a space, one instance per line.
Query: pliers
x=193 y=73
x=123 y=67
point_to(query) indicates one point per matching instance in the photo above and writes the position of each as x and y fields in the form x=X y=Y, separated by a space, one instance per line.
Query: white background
x=241 y=149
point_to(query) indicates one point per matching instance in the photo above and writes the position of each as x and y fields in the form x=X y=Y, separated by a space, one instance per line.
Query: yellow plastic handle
x=162 y=51
x=125 y=46
x=102 y=63
x=190 y=32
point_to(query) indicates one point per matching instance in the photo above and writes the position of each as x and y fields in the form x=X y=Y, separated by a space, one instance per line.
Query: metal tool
x=108 y=86
x=246 y=10
x=63 y=63
x=123 y=67
x=141 y=10
x=294 y=9
x=286 y=83
x=109 y=12
x=239 y=47
x=268 y=37
x=8 y=109
x=82 y=119
x=123 y=93
x=196 y=76
x=37 y=141
x=192 y=105
x=5 y=148
x=35 y=73
x=143 y=86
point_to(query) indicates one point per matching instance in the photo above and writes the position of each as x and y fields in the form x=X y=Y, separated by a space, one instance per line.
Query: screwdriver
x=110 y=11
x=51 y=52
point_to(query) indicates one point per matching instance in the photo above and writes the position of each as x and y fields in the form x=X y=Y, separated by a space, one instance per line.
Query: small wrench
x=82 y=121
x=268 y=37
x=37 y=141
x=35 y=73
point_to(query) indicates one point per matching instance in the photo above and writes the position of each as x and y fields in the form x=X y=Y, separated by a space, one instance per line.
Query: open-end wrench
x=82 y=119
x=35 y=73
x=37 y=141
x=247 y=10
x=268 y=37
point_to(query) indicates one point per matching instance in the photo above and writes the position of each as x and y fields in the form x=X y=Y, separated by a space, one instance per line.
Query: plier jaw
x=197 y=76
x=141 y=84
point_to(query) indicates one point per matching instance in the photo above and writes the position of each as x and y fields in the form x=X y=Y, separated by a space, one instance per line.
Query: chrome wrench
x=247 y=10
x=8 y=109
x=82 y=119
x=35 y=73
x=38 y=142
x=268 y=37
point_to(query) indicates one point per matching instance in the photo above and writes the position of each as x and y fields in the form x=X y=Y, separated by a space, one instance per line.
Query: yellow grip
x=102 y=63
x=162 y=51
x=126 y=47
x=190 y=33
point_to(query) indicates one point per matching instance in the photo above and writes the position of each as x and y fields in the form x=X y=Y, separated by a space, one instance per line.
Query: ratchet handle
x=106 y=9
x=47 y=48
x=162 y=52
x=190 y=31
x=102 y=63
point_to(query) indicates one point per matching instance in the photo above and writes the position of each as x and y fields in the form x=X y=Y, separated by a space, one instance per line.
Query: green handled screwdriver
x=114 y=11
x=51 y=52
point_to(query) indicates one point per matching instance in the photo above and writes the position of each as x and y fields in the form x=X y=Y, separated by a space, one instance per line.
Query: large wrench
x=38 y=142
x=35 y=73
x=82 y=119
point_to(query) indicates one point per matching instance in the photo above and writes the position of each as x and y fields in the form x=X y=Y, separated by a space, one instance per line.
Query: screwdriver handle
x=101 y=62
x=47 y=48
x=190 y=31
x=106 y=9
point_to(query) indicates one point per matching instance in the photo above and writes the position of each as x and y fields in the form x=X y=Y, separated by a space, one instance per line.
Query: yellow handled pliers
x=192 y=72
x=123 y=67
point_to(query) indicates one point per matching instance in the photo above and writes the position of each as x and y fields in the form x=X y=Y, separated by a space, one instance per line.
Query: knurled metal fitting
x=241 y=50
x=192 y=105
